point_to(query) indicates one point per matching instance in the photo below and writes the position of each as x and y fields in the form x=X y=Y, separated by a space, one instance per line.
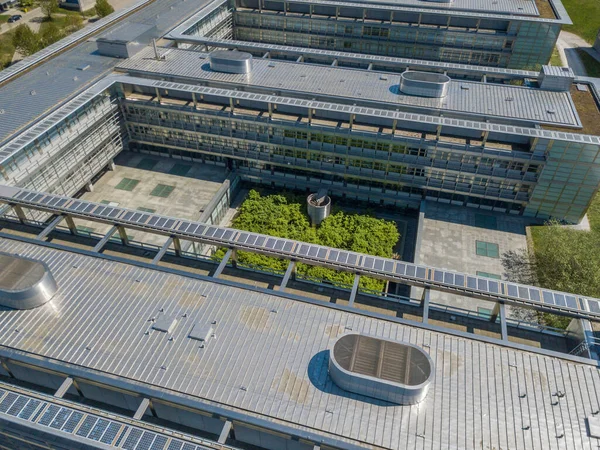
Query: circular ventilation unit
x=387 y=370
x=230 y=62
x=24 y=283
x=424 y=84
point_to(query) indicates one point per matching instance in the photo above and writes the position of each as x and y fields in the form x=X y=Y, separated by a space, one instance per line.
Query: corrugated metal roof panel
x=483 y=396
x=490 y=100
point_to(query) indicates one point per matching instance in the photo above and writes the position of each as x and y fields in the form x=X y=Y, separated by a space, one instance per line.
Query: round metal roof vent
x=24 y=283
x=424 y=84
x=393 y=371
x=230 y=61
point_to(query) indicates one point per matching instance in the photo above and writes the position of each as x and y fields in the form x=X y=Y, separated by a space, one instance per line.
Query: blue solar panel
x=73 y=421
x=61 y=418
x=513 y=290
x=17 y=406
x=49 y=415
x=132 y=439
x=438 y=276
x=111 y=432
x=29 y=409
x=559 y=299
x=410 y=270
x=594 y=306
x=98 y=430
x=548 y=297
x=571 y=302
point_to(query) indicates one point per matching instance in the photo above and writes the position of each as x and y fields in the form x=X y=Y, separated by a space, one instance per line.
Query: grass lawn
x=592 y=67
x=4 y=18
x=555 y=58
x=585 y=15
x=569 y=260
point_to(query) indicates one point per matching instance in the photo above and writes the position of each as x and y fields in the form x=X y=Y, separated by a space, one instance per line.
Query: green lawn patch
x=4 y=18
x=555 y=58
x=148 y=210
x=585 y=15
x=162 y=190
x=285 y=216
x=568 y=260
x=127 y=184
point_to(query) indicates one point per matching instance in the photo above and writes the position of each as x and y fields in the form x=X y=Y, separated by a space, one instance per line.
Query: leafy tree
x=564 y=259
x=49 y=33
x=284 y=216
x=48 y=7
x=26 y=41
x=103 y=8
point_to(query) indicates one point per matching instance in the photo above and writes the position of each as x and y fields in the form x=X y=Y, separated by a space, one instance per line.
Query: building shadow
x=318 y=374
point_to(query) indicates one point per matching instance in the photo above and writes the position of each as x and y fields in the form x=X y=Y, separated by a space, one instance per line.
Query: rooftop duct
x=393 y=371
x=230 y=61
x=424 y=84
x=24 y=283
x=318 y=206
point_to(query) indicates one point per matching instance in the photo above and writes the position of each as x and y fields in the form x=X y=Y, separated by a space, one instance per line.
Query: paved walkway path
x=567 y=45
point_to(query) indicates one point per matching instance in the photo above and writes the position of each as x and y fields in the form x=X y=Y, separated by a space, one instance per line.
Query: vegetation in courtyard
x=48 y=7
x=585 y=15
x=103 y=8
x=285 y=216
x=592 y=66
x=563 y=259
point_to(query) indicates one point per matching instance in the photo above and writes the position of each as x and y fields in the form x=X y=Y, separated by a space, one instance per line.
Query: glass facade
x=519 y=44
x=516 y=182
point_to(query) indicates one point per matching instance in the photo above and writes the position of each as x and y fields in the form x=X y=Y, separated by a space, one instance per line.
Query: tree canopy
x=103 y=8
x=285 y=216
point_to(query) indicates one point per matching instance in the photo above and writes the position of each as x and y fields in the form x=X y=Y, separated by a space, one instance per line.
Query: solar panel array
x=87 y=426
x=382 y=268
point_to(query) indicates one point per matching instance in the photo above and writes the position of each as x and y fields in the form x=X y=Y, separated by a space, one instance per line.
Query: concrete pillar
x=500 y=311
x=289 y=272
x=177 y=246
x=111 y=165
x=425 y=304
x=123 y=235
x=225 y=432
x=162 y=251
x=223 y=263
x=89 y=187
x=142 y=409
x=20 y=213
x=64 y=387
x=50 y=228
x=105 y=239
x=354 y=290
x=71 y=225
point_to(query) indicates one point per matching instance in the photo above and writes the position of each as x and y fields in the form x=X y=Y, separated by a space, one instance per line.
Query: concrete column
x=227 y=427
x=50 y=227
x=194 y=100
x=141 y=409
x=71 y=225
x=105 y=239
x=64 y=387
x=354 y=290
x=425 y=304
x=111 y=165
x=289 y=272
x=177 y=246
x=158 y=98
x=234 y=258
x=500 y=311
x=162 y=251
x=20 y=213
x=123 y=235
x=89 y=187
x=223 y=263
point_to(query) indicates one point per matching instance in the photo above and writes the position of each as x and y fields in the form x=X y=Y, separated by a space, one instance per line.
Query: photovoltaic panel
x=132 y=439
x=594 y=306
x=462 y=284
x=159 y=443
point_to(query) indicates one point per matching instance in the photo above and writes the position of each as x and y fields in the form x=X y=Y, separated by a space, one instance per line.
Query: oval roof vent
x=24 y=283
x=393 y=371
x=230 y=61
x=424 y=84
